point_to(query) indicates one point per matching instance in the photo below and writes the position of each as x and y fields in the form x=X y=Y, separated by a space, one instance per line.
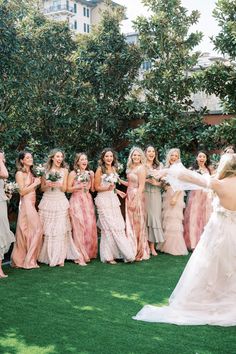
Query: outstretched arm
x=180 y=178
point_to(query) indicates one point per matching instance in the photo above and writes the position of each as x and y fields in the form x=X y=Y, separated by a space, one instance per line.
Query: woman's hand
x=121 y=194
x=161 y=173
x=111 y=187
x=37 y=181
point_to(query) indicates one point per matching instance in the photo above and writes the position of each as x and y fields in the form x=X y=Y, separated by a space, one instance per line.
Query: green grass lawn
x=89 y=310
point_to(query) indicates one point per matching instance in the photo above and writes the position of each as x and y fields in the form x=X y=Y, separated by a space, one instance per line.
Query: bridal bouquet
x=83 y=177
x=10 y=188
x=39 y=170
x=53 y=176
x=111 y=178
x=163 y=183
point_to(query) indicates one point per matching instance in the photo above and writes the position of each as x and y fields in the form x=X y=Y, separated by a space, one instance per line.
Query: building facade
x=81 y=15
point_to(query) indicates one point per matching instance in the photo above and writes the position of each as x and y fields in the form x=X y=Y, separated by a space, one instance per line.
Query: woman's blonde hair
x=48 y=164
x=169 y=153
x=76 y=160
x=227 y=166
x=143 y=157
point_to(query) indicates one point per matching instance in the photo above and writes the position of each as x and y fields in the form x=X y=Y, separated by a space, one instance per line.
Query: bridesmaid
x=153 y=200
x=29 y=231
x=114 y=242
x=6 y=236
x=58 y=244
x=83 y=220
x=135 y=203
x=199 y=208
x=172 y=214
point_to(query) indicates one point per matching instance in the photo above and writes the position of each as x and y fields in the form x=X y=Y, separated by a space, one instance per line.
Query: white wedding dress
x=206 y=291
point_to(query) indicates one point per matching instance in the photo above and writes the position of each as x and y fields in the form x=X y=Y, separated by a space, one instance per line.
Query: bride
x=206 y=291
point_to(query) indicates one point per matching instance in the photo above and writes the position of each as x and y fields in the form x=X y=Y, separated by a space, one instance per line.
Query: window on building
x=85 y=27
x=84 y=11
x=88 y=28
x=75 y=24
x=87 y=12
x=75 y=8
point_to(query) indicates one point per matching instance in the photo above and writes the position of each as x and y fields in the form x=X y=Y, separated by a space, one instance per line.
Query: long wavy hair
x=227 y=166
x=169 y=153
x=207 y=164
x=19 y=164
x=230 y=147
x=76 y=160
x=101 y=162
x=48 y=164
x=156 y=163
x=130 y=160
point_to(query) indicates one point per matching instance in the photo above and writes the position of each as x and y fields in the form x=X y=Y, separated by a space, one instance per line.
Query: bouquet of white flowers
x=10 y=188
x=112 y=178
x=39 y=170
x=83 y=177
x=53 y=176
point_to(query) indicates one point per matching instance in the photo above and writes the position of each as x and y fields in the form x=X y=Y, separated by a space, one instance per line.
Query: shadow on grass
x=89 y=310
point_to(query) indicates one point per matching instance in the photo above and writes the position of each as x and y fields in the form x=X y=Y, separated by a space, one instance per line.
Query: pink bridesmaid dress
x=114 y=244
x=172 y=221
x=136 y=216
x=196 y=216
x=83 y=221
x=58 y=244
x=29 y=231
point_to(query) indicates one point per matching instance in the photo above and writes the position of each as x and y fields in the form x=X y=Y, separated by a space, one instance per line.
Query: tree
x=36 y=81
x=220 y=78
x=166 y=42
x=106 y=67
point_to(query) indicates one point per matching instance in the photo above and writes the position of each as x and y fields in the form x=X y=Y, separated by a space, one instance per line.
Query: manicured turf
x=89 y=309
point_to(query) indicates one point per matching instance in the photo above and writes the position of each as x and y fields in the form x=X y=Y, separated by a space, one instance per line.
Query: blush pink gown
x=172 y=221
x=83 y=220
x=115 y=244
x=206 y=291
x=29 y=232
x=196 y=216
x=136 y=216
x=58 y=244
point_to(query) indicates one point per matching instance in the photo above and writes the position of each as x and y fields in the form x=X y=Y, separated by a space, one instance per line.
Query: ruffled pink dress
x=29 y=232
x=83 y=220
x=6 y=236
x=196 y=216
x=172 y=222
x=136 y=216
x=115 y=244
x=58 y=244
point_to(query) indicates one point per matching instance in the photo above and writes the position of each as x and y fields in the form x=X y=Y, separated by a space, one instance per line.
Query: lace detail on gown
x=54 y=215
x=114 y=243
x=206 y=291
x=6 y=236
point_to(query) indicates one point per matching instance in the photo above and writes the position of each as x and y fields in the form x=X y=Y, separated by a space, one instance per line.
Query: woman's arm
x=70 y=187
x=124 y=183
x=24 y=189
x=63 y=186
x=3 y=170
x=97 y=182
x=190 y=179
x=141 y=179
x=92 y=188
x=175 y=197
